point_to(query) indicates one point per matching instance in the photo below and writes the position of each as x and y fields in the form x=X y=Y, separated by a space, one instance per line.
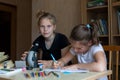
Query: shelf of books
x=97 y=11
x=4 y=62
x=106 y=16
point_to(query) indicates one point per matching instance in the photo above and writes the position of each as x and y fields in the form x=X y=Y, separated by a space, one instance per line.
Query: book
x=94 y=23
x=4 y=62
x=104 y=25
x=9 y=64
x=6 y=73
x=99 y=27
x=118 y=16
x=3 y=57
x=94 y=3
x=2 y=53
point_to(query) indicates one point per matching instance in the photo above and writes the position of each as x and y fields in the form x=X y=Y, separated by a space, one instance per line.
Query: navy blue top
x=60 y=42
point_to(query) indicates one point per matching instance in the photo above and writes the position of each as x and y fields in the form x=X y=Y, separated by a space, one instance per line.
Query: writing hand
x=57 y=64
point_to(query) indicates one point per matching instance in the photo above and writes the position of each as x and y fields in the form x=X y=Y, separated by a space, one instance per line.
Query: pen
x=53 y=58
x=55 y=61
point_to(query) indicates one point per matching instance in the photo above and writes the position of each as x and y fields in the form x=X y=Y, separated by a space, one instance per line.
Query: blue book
x=104 y=23
x=118 y=15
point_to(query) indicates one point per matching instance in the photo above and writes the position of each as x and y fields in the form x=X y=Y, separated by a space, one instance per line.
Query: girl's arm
x=98 y=65
x=64 y=60
x=65 y=50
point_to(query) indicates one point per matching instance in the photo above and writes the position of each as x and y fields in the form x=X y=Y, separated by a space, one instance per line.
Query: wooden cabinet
x=107 y=11
x=115 y=23
x=110 y=11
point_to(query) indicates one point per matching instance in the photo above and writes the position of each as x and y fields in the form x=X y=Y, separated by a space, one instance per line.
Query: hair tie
x=88 y=26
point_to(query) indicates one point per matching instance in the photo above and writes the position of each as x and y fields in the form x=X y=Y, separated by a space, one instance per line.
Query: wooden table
x=63 y=76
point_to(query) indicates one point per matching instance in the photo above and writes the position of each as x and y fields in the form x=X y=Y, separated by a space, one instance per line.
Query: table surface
x=62 y=76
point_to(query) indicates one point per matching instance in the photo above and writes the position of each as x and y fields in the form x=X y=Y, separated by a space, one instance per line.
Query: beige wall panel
x=23 y=26
x=67 y=13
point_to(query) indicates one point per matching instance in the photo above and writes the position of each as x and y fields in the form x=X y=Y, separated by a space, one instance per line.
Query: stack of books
x=4 y=62
x=101 y=25
x=94 y=3
x=3 y=57
x=7 y=67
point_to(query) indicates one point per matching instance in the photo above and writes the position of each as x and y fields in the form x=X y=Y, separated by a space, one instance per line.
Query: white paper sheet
x=64 y=70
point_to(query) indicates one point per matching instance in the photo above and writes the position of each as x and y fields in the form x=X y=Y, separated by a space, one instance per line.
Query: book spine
x=118 y=15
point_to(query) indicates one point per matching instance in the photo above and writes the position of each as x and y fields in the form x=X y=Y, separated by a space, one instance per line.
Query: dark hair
x=84 y=32
x=42 y=14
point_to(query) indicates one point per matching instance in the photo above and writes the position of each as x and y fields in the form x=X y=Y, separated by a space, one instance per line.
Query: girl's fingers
x=56 y=64
x=26 y=52
x=24 y=55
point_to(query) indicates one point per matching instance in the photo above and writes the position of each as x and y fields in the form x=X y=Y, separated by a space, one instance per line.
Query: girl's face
x=79 y=47
x=46 y=28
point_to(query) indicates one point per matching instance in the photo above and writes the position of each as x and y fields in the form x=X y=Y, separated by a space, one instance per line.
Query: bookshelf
x=109 y=12
x=115 y=22
x=98 y=12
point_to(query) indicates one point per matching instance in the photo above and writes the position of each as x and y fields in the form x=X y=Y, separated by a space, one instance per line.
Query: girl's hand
x=71 y=67
x=23 y=57
x=46 y=63
x=58 y=64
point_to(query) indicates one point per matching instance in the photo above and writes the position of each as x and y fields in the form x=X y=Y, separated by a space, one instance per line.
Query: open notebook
x=64 y=70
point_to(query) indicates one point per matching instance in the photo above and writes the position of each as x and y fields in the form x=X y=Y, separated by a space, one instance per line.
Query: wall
x=67 y=13
x=23 y=24
x=11 y=2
